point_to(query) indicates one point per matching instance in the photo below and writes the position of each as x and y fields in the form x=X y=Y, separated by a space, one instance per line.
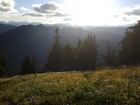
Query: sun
x=90 y=12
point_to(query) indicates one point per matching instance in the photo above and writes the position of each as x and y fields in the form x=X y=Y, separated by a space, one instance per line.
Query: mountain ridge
x=5 y=27
x=37 y=40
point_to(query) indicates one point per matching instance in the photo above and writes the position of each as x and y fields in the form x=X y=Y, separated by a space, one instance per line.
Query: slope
x=105 y=87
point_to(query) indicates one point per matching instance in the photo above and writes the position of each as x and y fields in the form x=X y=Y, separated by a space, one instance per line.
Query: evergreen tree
x=78 y=55
x=110 y=58
x=55 y=56
x=86 y=53
x=4 y=66
x=29 y=65
x=68 y=57
x=130 y=49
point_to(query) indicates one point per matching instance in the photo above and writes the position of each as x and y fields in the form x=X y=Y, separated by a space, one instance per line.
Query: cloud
x=49 y=9
x=59 y=14
x=134 y=12
x=24 y=9
x=67 y=19
x=33 y=15
x=7 y=5
x=45 y=8
x=127 y=15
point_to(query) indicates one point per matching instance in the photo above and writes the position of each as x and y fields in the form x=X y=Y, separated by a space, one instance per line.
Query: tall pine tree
x=78 y=55
x=86 y=53
x=130 y=46
x=55 y=56
x=68 y=57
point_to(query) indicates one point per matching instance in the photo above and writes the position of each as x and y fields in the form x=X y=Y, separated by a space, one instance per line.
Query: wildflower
x=109 y=86
x=125 y=96
x=98 y=90
x=106 y=80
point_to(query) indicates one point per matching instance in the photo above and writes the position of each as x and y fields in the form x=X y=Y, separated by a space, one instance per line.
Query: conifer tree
x=68 y=57
x=4 y=65
x=86 y=53
x=78 y=55
x=110 y=58
x=130 y=46
x=55 y=56
x=29 y=65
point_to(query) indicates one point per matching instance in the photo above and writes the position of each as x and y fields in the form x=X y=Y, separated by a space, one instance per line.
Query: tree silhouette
x=68 y=57
x=29 y=65
x=4 y=65
x=83 y=57
x=130 y=49
x=109 y=57
x=55 y=56
x=86 y=53
x=78 y=55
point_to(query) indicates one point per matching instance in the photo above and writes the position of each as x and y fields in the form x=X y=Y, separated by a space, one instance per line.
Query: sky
x=74 y=12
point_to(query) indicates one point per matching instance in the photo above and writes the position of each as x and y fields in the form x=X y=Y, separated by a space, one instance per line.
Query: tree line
x=66 y=57
x=83 y=56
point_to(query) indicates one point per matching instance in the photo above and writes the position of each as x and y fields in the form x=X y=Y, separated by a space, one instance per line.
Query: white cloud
x=49 y=13
x=7 y=5
x=67 y=19
x=33 y=15
x=127 y=15
x=61 y=14
x=24 y=9
x=134 y=11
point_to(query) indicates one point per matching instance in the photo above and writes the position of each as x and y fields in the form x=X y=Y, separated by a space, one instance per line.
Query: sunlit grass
x=103 y=87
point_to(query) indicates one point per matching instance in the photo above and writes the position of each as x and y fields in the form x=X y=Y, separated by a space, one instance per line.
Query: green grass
x=104 y=87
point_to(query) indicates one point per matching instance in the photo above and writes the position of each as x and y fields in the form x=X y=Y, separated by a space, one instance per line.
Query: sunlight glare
x=89 y=12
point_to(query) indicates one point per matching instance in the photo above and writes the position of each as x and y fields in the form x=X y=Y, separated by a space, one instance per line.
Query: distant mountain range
x=36 y=40
x=5 y=27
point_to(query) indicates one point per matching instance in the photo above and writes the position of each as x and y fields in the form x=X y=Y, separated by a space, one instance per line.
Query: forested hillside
x=30 y=40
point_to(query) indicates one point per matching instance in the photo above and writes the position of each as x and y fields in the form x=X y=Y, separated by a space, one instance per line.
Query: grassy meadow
x=102 y=87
